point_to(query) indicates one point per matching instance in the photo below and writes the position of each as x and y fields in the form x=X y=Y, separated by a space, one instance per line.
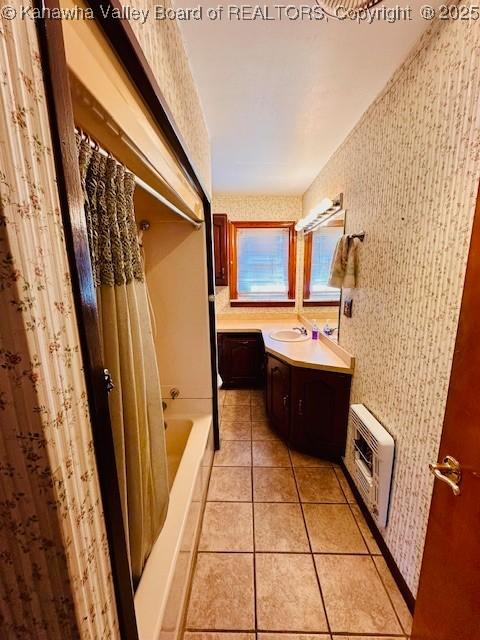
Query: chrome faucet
x=302 y=330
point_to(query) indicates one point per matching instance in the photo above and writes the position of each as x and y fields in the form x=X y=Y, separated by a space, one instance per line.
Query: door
x=241 y=360
x=319 y=412
x=448 y=602
x=220 y=248
x=278 y=395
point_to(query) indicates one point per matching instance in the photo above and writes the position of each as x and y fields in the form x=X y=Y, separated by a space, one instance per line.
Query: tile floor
x=284 y=551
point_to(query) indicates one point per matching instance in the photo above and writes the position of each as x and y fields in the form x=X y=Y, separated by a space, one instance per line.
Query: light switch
x=347 y=307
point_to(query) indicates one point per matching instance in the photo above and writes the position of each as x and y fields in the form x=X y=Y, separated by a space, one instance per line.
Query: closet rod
x=146 y=187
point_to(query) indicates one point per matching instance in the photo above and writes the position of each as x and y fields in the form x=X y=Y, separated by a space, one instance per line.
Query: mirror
x=321 y=302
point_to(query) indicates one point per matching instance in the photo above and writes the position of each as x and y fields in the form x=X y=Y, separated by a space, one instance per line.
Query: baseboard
x=392 y=565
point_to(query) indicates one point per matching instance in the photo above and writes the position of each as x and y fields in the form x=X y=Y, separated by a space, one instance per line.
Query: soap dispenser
x=315 y=330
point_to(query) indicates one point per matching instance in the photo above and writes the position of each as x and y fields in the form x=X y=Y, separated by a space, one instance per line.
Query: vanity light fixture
x=325 y=210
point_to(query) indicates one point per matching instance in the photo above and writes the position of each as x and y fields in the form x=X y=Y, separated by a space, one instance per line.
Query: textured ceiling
x=279 y=96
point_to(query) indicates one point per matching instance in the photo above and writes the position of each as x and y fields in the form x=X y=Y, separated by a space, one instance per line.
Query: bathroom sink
x=288 y=335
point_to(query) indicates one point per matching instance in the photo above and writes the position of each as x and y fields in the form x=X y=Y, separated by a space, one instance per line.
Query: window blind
x=324 y=241
x=262 y=263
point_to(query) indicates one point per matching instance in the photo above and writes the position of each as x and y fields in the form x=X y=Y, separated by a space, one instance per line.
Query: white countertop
x=321 y=354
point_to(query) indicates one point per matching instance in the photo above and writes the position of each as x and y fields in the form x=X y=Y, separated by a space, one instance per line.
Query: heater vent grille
x=373 y=452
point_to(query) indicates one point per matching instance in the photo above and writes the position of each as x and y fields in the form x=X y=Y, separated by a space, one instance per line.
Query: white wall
x=175 y=260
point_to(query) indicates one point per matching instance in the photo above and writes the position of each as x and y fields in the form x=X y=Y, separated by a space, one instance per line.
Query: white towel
x=339 y=263
x=343 y=271
x=349 y=282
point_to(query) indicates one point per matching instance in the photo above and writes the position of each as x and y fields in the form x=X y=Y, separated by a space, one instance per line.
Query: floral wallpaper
x=245 y=207
x=163 y=47
x=55 y=580
x=409 y=172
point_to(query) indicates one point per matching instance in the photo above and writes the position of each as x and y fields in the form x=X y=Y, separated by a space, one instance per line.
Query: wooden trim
x=207 y=210
x=389 y=559
x=262 y=303
x=307 y=265
x=232 y=261
x=321 y=303
x=292 y=262
x=70 y=193
x=268 y=224
x=221 y=220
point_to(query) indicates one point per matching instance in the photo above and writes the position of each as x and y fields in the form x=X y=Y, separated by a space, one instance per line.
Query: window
x=319 y=249
x=262 y=264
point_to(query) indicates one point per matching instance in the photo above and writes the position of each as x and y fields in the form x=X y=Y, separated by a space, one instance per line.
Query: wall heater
x=373 y=452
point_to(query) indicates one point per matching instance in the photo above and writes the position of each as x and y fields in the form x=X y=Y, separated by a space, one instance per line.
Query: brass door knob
x=448 y=471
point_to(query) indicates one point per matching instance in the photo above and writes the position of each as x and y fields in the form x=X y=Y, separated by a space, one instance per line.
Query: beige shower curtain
x=128 y=349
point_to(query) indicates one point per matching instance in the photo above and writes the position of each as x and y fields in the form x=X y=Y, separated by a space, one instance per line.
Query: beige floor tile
x=233 y=430
x=236 y=412
x=230 y=484
x=211 y=635
x=222 y=594
x=258 y=412
x=280 y=527
x=288 y=597
x=227 y=526
x=233 y=453
x=293 y=636
x=355 y=598
x=332 y=529
x=345 y=486
x=221 y=397
x=262 y=431
x=396 y=597
x=235 y=397
x=270 y=454
x=302 y=460
x=257 y=401
x=318 y=485
x=274 y=485
x=364 y=528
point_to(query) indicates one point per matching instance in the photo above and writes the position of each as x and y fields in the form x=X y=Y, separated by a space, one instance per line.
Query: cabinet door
x=319 y=412
x=240 y=361
x=278 y=395
x=220 y=248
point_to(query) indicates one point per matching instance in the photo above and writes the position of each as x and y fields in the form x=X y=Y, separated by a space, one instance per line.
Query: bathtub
x=160 y=599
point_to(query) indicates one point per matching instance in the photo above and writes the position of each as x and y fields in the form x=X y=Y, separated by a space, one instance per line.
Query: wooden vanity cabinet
x=308 y=407
x=240 y=360
x=278 y=395
x=319 y=412
x=220 y=248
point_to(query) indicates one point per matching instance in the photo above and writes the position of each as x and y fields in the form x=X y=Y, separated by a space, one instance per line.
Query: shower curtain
x=128 y=349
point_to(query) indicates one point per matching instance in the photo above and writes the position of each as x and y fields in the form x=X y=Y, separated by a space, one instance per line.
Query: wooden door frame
x=121 y=37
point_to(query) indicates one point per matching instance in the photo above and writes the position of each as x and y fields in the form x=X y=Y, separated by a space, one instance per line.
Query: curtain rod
x=144 y=185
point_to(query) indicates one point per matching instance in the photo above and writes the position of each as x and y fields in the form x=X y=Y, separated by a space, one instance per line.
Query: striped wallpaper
x=409 y=173
x=55 y=575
